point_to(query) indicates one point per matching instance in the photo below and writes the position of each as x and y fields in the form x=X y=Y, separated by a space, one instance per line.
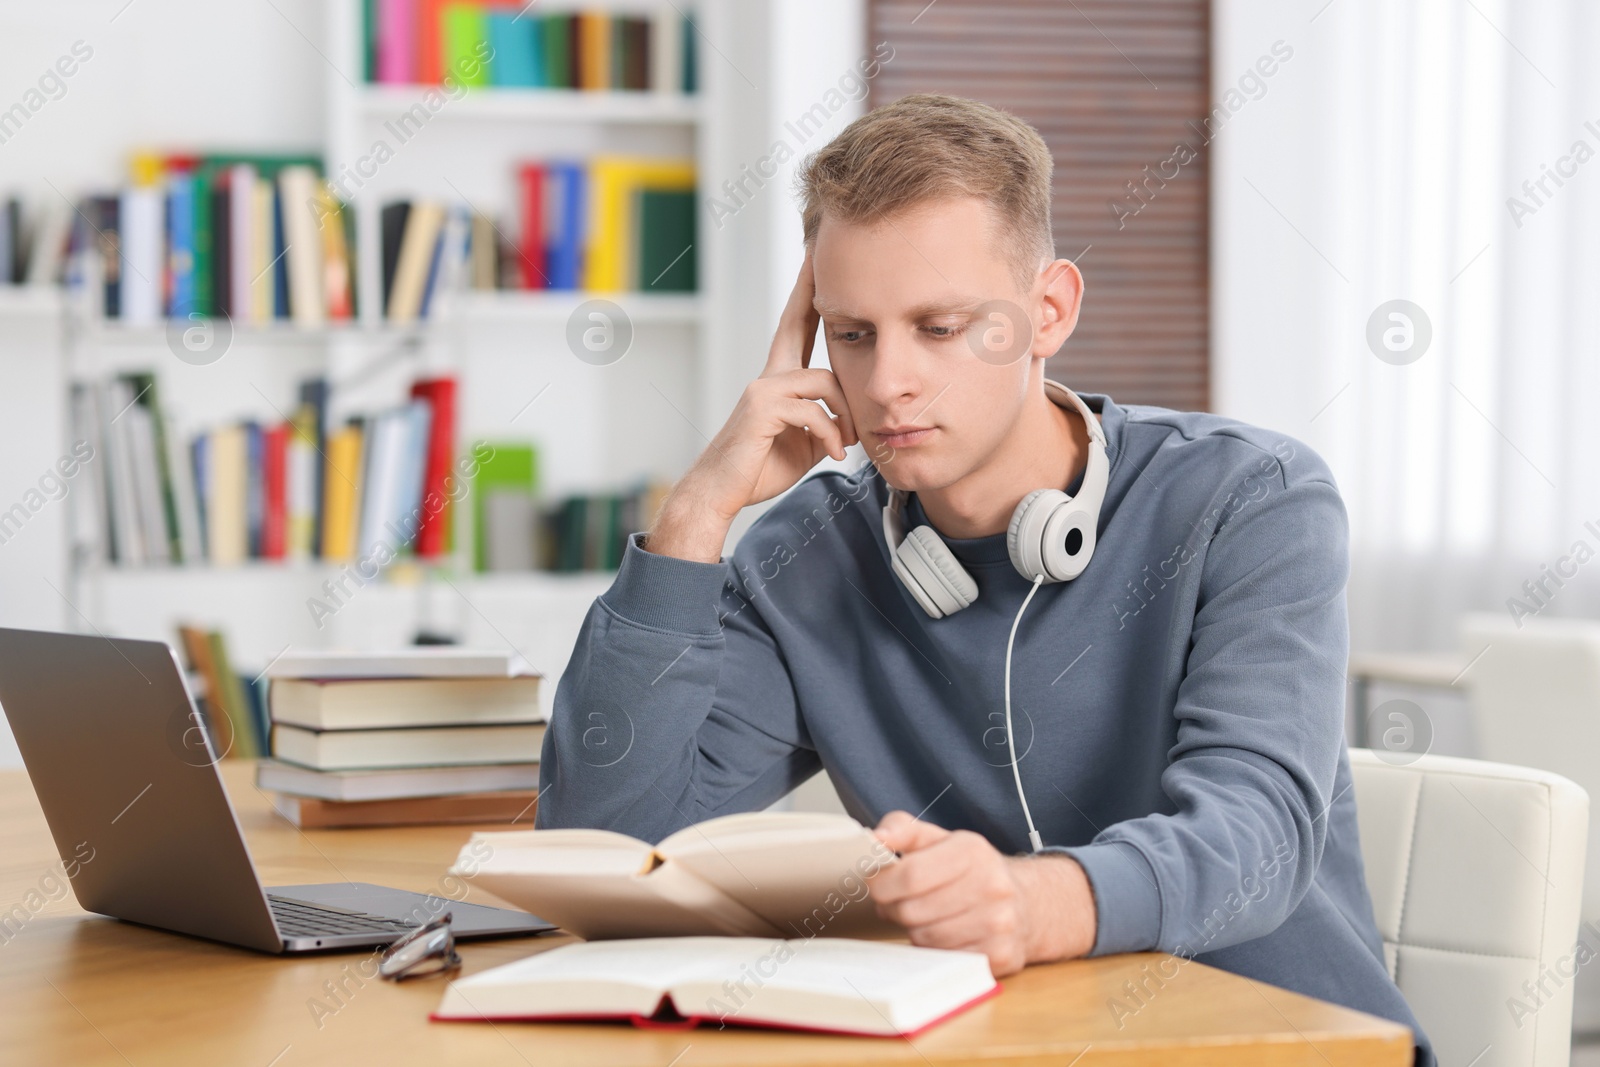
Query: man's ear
x=1060 y=299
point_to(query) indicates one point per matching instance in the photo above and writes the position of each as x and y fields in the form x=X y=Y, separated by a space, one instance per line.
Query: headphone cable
x=1033 y=835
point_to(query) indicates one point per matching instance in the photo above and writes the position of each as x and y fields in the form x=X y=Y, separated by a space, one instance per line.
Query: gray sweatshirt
x=1178 y=708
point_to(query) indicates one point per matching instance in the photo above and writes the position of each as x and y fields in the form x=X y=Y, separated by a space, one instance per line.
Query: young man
x=1176 y=709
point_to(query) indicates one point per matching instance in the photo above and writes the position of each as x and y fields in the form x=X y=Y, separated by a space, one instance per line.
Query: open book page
x=599 y=884
x=834 y=984
x=604 y=978
x=867 y=987
x=805 y=873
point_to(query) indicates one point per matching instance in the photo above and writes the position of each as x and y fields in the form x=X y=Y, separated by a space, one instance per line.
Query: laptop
x=127 y=777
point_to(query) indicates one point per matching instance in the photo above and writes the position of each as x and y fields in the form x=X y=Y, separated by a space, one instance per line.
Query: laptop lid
x=113 y=745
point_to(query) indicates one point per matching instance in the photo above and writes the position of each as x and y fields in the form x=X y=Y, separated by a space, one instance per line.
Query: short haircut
x=928 y=147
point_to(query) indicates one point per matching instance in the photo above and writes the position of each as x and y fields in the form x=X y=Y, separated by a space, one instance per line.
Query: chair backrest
x=1534 y=690
x=1475 y=872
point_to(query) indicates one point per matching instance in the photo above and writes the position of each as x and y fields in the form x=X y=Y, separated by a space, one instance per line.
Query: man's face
x=900 y=302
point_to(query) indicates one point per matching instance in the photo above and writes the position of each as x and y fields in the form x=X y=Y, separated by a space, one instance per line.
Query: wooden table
x=83 y=989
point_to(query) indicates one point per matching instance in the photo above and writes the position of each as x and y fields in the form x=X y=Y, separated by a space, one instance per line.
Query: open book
x=761 y=874
x=838 y=986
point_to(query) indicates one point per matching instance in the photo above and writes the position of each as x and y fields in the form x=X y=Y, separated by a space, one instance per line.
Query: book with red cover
x=433 y=535
x=817 y=985
x=531 y=254
x=275 y=482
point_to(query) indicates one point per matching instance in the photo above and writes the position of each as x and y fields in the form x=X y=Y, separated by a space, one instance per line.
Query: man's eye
x=849 y=337
x=944 y=332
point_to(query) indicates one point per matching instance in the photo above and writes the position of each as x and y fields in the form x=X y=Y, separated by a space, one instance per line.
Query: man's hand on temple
x=953 y=889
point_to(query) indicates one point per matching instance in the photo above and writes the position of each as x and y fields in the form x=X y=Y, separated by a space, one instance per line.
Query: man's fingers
x=809 y=414
x=797 y=326
x=903 y=832
x=912 y=910
x=929 y=865
x=818 y=384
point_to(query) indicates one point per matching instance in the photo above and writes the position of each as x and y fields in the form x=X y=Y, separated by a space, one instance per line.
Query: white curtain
x=1447 y=153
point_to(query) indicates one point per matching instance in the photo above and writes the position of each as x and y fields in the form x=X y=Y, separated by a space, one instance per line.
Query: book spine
x=532 y=179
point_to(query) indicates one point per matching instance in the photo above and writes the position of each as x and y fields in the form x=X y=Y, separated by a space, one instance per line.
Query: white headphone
x=1051 y=534
x=1050 y=539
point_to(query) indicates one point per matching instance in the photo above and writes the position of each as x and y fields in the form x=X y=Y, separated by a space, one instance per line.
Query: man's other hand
x=952 y=889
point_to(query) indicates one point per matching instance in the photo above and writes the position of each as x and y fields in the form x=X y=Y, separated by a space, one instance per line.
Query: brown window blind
x=1115 y=86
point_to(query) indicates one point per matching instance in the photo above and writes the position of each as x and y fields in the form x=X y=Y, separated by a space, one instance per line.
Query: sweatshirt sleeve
x=675 y=707
x=1260 y=724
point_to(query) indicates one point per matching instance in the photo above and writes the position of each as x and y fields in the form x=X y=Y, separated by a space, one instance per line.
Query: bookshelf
x=597 y=427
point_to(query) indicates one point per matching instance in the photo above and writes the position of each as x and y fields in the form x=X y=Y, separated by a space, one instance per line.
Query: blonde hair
x=928 y=147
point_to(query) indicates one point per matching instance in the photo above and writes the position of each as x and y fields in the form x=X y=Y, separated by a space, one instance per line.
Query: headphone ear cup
x=1025 y=537
x=1067 y=542
x=935 y=578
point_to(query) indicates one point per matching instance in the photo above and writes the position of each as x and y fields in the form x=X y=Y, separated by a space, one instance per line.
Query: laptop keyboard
x=298 y=919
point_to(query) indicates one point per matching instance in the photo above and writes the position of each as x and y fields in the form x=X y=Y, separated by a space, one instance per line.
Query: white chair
x=1534 y=691
x=1475 y=871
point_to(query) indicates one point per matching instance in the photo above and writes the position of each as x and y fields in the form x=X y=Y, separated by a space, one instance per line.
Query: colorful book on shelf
x=341 y=493
x=275 y=488
x=667 y=262
x=299 y=190
x=181 y=190
x=567 y=195
x=559 y=32
x=311 y=442
x=511 y=808
x=516 y=43
x=838 y=986
x=418 y=251
x=226 y=492
x=433 y=532
x=531 y=182
x=465 y=39
x=429 y=66
x=143 y=253
x=234 y=732
x=396 y=41
x=512 y=467
x=396 y=784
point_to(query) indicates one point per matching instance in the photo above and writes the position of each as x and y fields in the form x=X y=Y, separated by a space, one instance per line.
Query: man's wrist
x=687 y=530
x=1059 y=901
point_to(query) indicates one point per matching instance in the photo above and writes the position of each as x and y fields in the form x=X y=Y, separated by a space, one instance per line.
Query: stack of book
x=257 y=238
x=427 y=735
x=266 y=490
x=505 y=43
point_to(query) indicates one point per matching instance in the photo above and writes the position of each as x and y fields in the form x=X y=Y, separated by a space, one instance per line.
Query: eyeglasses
x=429 y=949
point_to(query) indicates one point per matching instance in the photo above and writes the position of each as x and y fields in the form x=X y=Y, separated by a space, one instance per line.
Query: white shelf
x=534 y=306
x=30 y=300
x=635 y=107
x=400 y=575
x=114 y=331
x=490 y=306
